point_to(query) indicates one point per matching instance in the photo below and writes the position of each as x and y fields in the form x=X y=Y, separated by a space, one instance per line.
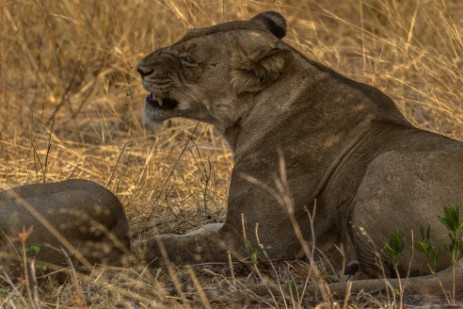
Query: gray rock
x=74 y=219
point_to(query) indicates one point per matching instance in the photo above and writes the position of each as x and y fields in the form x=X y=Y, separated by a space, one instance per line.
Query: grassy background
x=71 y=101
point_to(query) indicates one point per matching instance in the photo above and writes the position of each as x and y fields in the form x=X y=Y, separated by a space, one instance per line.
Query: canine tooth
x=159 y=100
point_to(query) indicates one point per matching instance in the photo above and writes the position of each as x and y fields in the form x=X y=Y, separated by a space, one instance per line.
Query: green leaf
x=460 y=227
x=451 y=219
x=33 y=249
x=254 y=257
x=3 y=293
x=248 y=246
x=421 y=247
x=40 y=267
x=394 y=246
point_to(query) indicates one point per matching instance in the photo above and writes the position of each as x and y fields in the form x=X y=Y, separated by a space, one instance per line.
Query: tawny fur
x=345 y=145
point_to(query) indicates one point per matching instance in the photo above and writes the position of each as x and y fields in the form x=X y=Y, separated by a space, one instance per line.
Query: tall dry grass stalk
x=71 y=108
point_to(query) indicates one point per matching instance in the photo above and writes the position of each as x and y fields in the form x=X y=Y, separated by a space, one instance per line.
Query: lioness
x=345 y=145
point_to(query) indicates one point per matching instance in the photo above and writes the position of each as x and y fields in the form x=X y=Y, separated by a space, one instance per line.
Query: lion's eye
x=189 y=60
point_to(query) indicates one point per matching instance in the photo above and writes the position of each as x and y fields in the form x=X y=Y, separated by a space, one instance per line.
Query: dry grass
x=71 y=107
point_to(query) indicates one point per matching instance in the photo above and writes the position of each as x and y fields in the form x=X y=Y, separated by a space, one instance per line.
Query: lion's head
x=205 y=75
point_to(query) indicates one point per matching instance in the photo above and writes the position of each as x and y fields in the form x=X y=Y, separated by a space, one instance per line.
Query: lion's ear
x=272 y=21
x=251 y=73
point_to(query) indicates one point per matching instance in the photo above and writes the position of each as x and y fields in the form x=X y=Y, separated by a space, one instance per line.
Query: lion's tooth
x=160 y=101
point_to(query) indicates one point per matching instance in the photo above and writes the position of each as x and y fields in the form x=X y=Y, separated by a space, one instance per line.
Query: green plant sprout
x=395 y=246
x=252 y=251
x=425 y=246
x=36 y=250
x=33 y=249
x=451 y=220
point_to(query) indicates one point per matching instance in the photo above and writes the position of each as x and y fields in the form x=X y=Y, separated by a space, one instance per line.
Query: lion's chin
x=153 y=116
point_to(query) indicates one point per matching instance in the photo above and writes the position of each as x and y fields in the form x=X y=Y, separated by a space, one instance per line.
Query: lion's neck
x=309 y=106
x=260 y=113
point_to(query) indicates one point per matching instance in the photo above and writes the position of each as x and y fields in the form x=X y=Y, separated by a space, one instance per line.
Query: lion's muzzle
x=157 y=71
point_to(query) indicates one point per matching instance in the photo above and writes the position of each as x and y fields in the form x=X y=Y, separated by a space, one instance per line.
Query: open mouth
x=160 y=102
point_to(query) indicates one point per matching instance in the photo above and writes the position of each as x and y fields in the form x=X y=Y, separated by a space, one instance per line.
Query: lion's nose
x=144 y=71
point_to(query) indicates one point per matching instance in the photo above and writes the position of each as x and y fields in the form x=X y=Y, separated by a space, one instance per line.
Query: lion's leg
x=430 y=284
x=210 y=243
x=253 y=215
